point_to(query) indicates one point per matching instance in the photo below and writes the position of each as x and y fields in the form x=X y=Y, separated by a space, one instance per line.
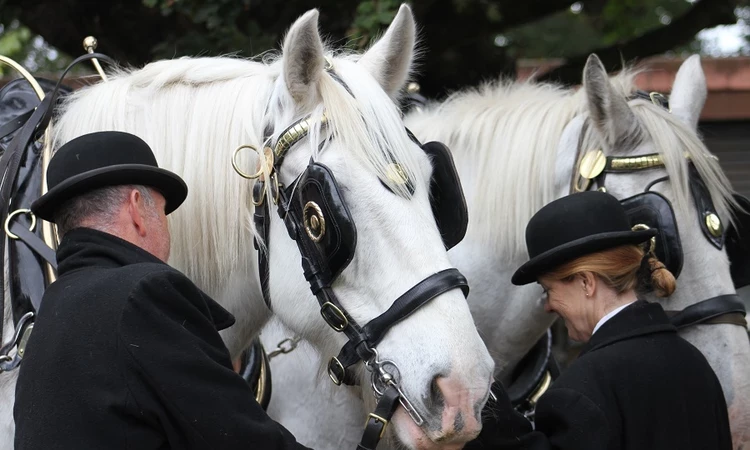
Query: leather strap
x=708 y=310
x=13 y=155
x=378 y=420
x=704 y=205
x=261 y=220
x=35 y=243
x=413 y=299
x=15 y=124
x=729 y=319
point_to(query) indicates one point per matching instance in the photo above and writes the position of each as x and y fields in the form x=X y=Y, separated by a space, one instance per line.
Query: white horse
x=195 y=112
x=516 y=146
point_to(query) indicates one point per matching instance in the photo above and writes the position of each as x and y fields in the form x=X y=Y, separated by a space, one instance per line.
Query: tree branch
x=704 y=14
x=514 y=13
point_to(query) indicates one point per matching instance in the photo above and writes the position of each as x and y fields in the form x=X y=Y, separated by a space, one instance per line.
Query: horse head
x=362 y=187
x=646 y=151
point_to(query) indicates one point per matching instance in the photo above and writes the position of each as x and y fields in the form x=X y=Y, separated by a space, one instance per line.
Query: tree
x=464 y=41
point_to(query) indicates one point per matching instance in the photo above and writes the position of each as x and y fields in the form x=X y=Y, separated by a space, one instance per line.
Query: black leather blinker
x=323 y=222
x=655 y=211
x=447 y=195
x=738 y=243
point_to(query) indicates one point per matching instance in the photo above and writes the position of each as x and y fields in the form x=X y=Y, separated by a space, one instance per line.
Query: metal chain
x=284 y=347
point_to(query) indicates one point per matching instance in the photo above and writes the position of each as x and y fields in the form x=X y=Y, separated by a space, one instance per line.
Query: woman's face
x=568 y=299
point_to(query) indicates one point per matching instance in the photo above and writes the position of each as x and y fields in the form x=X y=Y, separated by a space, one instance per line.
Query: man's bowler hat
x=107 y=158
x=574 y=226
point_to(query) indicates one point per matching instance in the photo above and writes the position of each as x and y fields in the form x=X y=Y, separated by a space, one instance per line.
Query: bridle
x=317 y=218
x=593 y=166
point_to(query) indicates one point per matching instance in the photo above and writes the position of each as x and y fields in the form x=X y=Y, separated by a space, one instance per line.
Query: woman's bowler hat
x=107 y=158
x=574 y=226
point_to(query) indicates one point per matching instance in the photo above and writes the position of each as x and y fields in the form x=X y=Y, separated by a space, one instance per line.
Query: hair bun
x=661 y=279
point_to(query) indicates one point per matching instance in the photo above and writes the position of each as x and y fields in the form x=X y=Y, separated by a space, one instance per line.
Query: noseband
x=317 y=218
x=652 y=210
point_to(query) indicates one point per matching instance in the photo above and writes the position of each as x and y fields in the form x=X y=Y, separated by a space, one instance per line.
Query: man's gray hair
x=96 y=209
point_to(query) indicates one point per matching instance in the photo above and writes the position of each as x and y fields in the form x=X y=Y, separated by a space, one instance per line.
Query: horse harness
x=651 y=209
x=317 y=218
x=24 y=113
x=31 y=265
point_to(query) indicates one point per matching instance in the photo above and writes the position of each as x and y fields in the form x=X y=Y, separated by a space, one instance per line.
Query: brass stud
x=315 y=223
x=396 y=173
x=714 y=225
x=592 y=164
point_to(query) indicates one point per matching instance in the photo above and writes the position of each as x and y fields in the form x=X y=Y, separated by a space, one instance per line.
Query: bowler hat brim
x=555 y=257
x=171 y=186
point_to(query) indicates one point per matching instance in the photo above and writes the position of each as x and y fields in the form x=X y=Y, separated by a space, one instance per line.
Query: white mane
x=514 y=129
x=194 y=112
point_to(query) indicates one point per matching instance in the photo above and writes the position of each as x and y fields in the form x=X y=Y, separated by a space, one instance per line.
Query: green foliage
x=571 y=33
x=31 y=51
x=223 y=26
x=371 y=18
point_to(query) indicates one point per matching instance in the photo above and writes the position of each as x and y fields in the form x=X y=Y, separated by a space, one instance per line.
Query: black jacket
x=635 y=386
x=126 y=354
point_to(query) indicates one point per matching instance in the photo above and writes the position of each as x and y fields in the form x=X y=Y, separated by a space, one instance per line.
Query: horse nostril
x=436 y=398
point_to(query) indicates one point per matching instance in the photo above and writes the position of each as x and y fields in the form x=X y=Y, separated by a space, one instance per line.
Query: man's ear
x=136 y=211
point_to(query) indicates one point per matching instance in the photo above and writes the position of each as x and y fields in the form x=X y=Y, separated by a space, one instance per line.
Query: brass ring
x=654 y=96
x=640 y=226
x=268 y=154
x=310 y=226
x=15 y=213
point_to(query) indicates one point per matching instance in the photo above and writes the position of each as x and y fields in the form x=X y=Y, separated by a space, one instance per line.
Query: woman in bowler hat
x=636 y=384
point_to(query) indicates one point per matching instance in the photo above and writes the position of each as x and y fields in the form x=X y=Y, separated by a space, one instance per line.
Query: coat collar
x=638 y=319
x=85 y=248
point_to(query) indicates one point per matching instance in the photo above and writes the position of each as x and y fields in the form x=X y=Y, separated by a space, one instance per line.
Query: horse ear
x=390 y=59
x=303 y=58
x=610 y=112
x=689 y=91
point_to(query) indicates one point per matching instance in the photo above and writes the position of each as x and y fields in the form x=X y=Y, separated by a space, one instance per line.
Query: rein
x=593 y=167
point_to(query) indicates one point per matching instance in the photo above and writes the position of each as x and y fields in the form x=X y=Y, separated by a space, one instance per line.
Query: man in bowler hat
x=126 y=352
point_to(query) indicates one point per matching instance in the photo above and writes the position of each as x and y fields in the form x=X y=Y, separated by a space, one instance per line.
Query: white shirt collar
x=610 y=315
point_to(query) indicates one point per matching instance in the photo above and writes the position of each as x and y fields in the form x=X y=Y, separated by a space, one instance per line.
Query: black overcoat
x=635 y=386
x=126 y=354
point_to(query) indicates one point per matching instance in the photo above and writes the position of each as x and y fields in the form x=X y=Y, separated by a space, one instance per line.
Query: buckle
x=652 y=242
x=377 y=418
x=336 y=371
x=334 y=316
